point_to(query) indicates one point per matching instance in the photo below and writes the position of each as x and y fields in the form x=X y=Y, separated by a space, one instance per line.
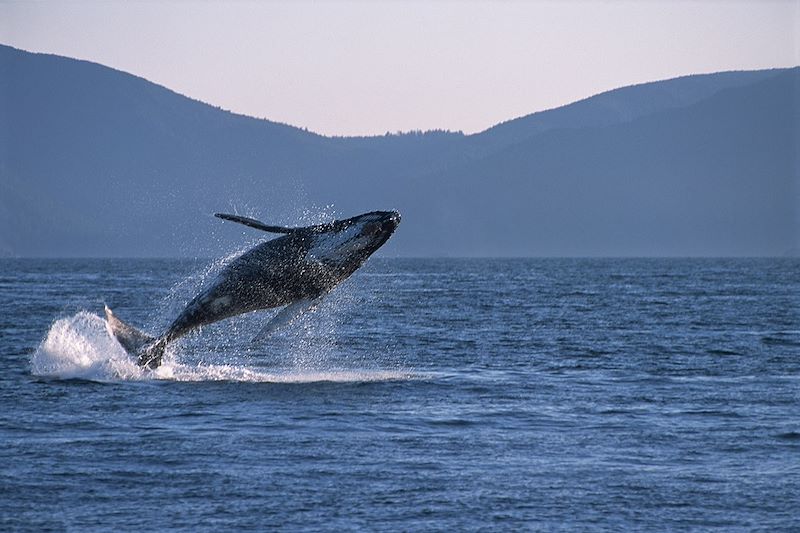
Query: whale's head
x=346 y=244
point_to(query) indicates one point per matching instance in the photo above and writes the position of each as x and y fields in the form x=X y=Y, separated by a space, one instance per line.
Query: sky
x=364 y=68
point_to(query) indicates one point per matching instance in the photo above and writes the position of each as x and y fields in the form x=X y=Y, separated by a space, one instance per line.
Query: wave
x=81 y=347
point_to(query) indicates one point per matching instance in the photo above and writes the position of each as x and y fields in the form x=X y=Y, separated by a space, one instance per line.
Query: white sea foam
x=80 y=347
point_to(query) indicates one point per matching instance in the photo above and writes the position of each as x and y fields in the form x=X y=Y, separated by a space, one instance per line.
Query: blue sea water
x=538 y=394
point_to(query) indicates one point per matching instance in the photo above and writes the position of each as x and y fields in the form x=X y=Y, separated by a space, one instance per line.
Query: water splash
x=80 y=347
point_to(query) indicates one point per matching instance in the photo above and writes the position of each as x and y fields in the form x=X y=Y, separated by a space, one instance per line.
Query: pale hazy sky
x=358 y=67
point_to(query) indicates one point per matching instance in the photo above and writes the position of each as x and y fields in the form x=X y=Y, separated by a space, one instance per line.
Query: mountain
x=718 y=177
x=97 y=162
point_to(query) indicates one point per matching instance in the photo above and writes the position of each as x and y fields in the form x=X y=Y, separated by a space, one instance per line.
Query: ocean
x=423 y=395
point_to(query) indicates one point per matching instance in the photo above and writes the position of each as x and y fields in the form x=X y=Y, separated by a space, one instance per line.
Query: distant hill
x=97 y=162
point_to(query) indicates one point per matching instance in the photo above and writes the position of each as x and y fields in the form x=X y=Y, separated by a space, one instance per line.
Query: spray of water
x=80 y=347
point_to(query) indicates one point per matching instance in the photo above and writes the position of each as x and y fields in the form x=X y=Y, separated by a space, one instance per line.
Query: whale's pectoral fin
x=253 y=223
x=286 y=316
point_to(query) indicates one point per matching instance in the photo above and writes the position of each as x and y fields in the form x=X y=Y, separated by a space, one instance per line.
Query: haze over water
x=424 y=395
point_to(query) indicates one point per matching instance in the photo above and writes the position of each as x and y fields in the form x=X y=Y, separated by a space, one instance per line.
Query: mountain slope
x=621 y=105
x=94 y=161
x=719 y=177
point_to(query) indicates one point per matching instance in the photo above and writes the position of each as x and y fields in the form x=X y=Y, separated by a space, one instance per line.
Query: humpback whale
x=293 y=271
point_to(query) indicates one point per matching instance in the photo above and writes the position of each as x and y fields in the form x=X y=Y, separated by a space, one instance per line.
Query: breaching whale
x=295 y=271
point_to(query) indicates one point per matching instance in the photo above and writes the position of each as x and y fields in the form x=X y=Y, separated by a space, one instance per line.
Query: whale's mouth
x=386 y=224
x=349 y=245
x=392 y=221
x=383 y=228
x=394 y=217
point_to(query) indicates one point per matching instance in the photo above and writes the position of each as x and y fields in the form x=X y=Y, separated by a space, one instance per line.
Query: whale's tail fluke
x=148 y=350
